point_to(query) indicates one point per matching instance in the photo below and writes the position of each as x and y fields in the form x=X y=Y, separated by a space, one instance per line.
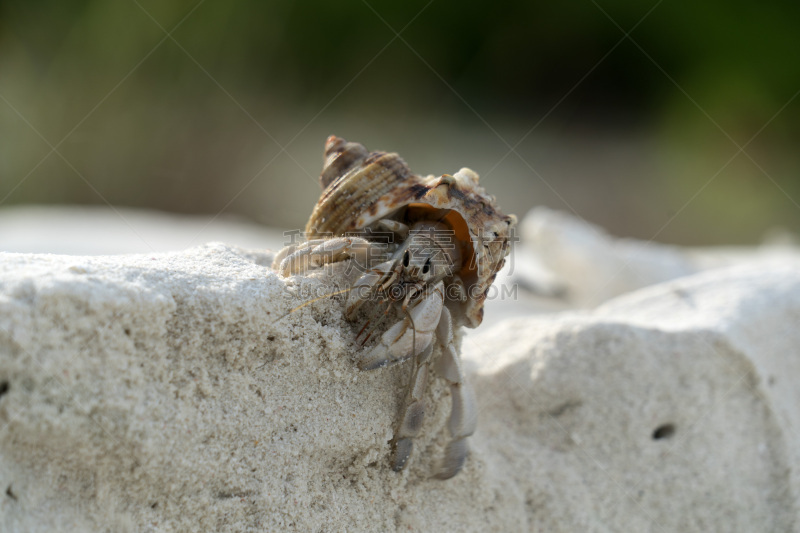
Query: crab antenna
x=374 y=325
x=413 y=332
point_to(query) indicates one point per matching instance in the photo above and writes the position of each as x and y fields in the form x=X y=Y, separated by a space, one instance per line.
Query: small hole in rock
x=128 y=332
x=4 y=386
x=10 y=493
x=664 y=432
x=271 y=338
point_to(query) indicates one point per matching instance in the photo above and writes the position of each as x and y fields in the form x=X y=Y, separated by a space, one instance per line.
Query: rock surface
x=587 y=266
x=102 y=230
x=176 y=392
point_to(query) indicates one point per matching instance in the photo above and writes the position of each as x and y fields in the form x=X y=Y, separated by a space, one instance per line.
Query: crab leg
x=399 y=343
x=414 y=412
x=398 y=228
x=318 y=252
x=299 y=259
x=402 y=341
x=464 y=411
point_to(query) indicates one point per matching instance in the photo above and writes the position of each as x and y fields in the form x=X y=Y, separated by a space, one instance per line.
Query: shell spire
x=340 y=157
x=352 y=181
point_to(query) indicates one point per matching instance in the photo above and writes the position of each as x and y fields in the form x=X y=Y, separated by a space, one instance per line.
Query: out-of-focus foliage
x=183 y=121
x=734 y=57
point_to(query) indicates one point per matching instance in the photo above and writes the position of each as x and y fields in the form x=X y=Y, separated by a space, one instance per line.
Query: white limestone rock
x=675 y=408
x=107 y=230
x=175 y=392
x=584 y=264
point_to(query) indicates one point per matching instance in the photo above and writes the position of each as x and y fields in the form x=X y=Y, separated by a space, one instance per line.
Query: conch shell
x=361 y=188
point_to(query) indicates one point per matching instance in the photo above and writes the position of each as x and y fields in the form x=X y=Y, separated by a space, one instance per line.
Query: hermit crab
x=428 y=247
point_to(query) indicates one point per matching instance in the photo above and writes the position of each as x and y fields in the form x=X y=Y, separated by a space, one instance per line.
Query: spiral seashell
x=361 y=188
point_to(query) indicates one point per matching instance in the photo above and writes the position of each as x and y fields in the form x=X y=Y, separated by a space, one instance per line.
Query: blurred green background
x=223 y=106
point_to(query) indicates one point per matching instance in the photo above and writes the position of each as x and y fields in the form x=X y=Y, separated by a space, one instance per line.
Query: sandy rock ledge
x=172 y=392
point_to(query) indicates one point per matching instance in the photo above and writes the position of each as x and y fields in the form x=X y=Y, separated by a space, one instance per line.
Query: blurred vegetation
x=192 y=121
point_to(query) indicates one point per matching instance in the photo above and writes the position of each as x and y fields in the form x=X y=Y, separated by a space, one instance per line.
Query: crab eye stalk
x=426 y=268
x=406 y=258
